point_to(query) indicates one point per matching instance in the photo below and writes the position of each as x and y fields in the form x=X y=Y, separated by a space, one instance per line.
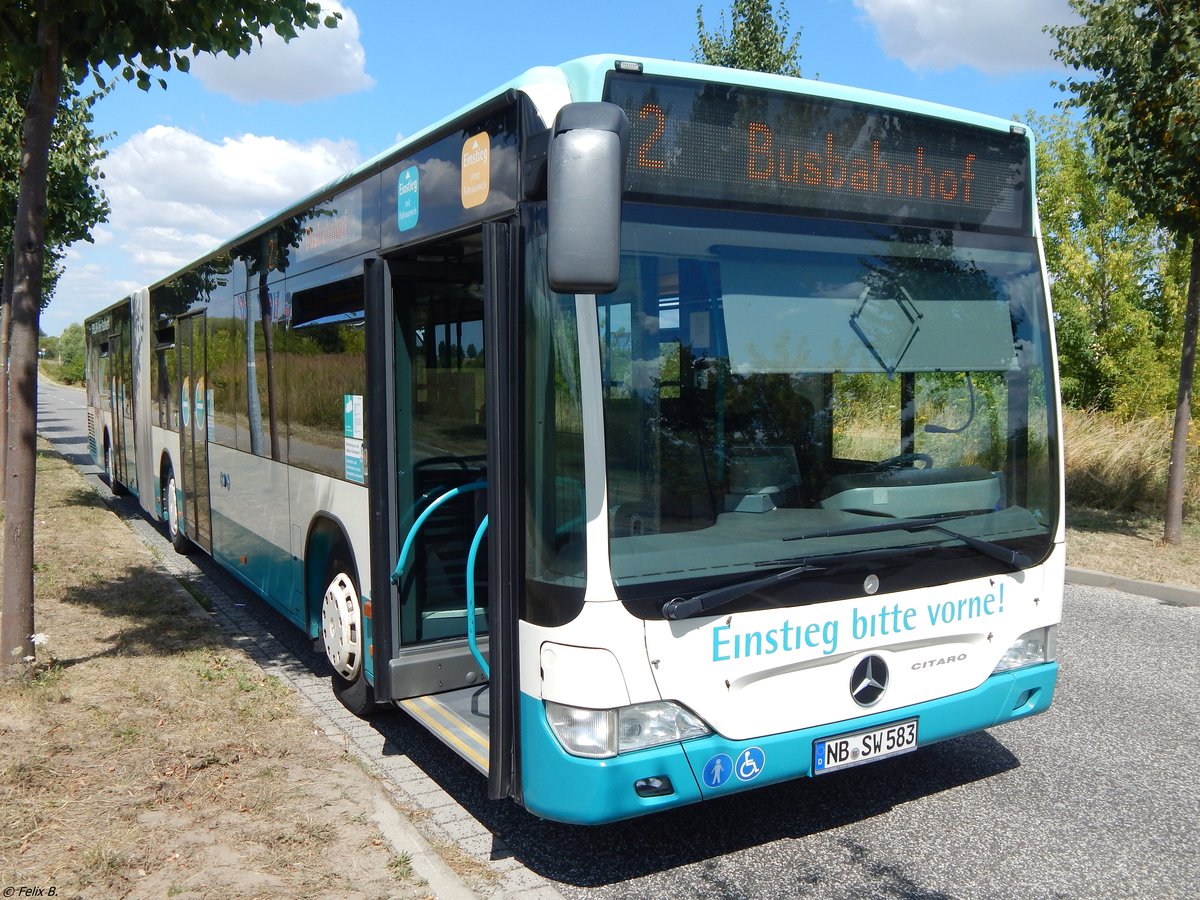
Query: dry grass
x=1116 y=492
x=1122 y=465
x=148 y=758
x=1130 y=544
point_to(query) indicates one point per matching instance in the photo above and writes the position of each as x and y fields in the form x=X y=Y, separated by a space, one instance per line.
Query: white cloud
x=994 y=36
x=317 y=63
x=176 y=197
x=170 y=165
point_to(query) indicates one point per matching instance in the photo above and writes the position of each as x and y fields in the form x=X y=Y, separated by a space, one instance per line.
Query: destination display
x=744 y=146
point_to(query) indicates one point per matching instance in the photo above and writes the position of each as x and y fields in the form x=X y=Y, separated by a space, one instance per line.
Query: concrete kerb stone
x=1172 y=594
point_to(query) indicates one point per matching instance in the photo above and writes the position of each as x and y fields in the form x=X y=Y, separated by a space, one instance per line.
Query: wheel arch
x=326 y=536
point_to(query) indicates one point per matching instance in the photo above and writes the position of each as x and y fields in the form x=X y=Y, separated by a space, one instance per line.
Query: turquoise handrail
x=487 y=672
x=410 y=539
x=416 y=526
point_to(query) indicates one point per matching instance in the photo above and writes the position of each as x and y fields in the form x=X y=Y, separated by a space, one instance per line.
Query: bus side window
x=326 y=377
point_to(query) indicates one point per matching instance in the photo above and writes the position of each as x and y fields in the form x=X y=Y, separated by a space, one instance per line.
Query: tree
x=1138 y=81
x=42 y=39
x=75 y=202
x=1117 y=296
x=757 y=39
x=71 y=354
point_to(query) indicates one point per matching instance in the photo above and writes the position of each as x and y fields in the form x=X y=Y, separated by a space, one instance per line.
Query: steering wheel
x=903 y=460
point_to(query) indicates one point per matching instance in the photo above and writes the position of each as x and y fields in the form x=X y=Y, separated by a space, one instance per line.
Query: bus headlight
x=603 y=733
x=1029 y=649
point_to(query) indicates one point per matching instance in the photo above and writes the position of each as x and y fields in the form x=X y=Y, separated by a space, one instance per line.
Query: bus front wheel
x=341 y=634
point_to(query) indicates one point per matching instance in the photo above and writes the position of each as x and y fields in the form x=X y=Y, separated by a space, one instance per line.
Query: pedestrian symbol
x=717 y=770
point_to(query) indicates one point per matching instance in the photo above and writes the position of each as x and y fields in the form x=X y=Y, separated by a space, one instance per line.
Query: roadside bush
x=71 y=353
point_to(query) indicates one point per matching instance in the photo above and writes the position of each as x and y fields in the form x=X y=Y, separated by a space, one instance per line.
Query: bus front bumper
x=574 y=790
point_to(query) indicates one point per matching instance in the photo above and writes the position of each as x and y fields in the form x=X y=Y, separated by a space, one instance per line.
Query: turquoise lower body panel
x=580 y=791
x=256 y=562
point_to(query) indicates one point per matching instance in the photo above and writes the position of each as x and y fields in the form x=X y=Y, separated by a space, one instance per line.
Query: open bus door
x=445 y=498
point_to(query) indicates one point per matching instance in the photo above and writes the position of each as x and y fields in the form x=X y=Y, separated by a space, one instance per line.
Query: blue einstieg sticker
x=408 y=198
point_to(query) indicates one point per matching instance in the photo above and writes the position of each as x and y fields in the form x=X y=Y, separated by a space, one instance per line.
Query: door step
x=459 y=719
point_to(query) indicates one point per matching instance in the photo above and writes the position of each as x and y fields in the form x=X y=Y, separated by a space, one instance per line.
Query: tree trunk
x=29 y=231
x=9 y=266
x=1177 y=475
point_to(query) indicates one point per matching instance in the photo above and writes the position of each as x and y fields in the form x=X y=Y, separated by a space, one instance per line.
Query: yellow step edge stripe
x=454 y=721
x=443 y=722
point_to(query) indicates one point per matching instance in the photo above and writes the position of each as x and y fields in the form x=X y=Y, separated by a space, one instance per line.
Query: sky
x=236 y=140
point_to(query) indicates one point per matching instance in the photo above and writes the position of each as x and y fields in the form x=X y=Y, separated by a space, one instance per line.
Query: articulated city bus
x=647 y=431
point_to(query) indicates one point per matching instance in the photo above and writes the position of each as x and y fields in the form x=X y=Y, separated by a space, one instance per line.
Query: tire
x=342 y=637
x=170 y=508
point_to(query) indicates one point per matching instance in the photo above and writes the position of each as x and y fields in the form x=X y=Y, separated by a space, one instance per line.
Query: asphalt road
x=1099 y=797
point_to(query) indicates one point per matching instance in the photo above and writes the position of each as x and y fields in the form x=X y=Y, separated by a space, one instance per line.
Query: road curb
x=1173 y=594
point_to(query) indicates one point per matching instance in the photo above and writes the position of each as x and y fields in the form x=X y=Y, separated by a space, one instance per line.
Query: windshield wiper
x=1013 y=558
x=686 y=608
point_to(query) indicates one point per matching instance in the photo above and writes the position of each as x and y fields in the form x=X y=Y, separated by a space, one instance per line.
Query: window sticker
x=352 y=407
x=476 y=169
x=408 y=198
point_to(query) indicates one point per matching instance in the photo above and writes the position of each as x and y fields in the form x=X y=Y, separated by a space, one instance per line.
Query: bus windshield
x=775 y=386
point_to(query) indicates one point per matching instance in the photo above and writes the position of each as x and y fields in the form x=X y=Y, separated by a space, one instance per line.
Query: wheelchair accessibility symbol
x=750 y=763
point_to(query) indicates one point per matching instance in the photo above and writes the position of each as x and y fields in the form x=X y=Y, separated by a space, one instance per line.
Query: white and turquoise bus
x=647 y=431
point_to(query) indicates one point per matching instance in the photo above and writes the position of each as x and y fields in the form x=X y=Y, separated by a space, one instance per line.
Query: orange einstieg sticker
x=476 y=169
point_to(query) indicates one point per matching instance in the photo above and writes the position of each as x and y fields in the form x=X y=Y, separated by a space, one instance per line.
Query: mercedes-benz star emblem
x=869 y=681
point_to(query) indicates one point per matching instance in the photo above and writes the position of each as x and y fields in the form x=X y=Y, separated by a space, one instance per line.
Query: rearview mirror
x=585 y=175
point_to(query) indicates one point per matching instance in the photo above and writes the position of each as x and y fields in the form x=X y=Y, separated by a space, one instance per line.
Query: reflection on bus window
x=325 y=351
x=815 y=372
